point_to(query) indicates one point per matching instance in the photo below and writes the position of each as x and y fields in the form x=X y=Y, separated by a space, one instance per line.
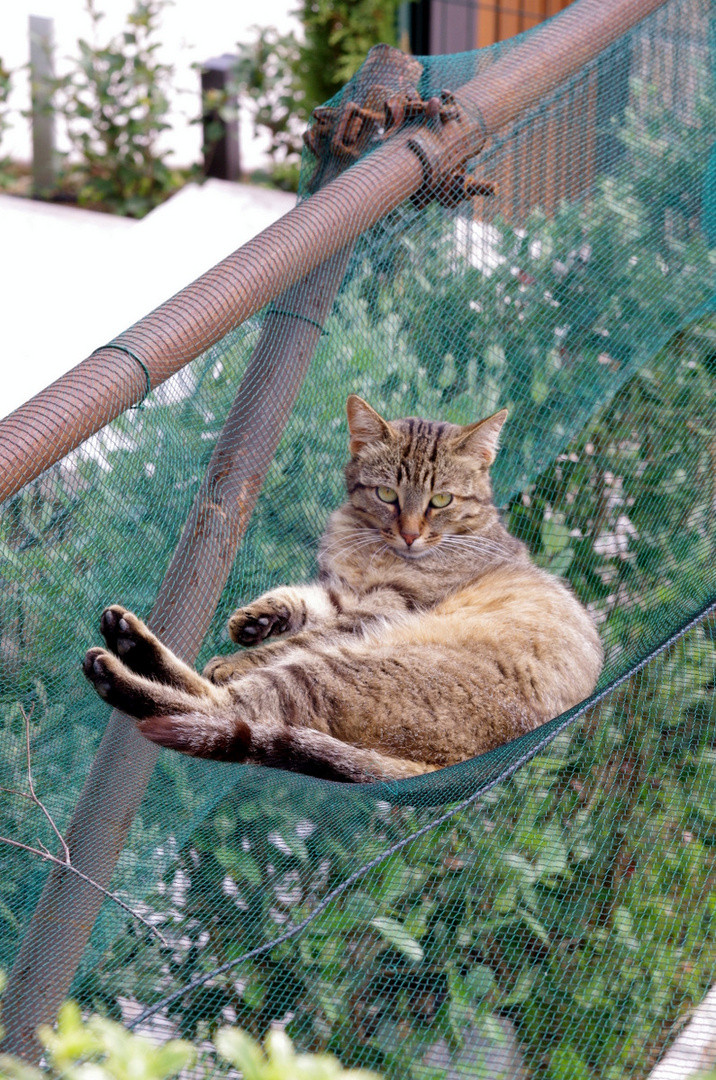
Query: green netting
x=546 y=910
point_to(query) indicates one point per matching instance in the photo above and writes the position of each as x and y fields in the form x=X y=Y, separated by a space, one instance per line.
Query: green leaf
x=522 y=989
x=242 y=1051
x=624 y=926
x=417 y=921
x=395 y=933
x=479 y=981
x=552 y=852
x=555 y=535
x=536 y=927
x=565 y=1064
x=240 y=865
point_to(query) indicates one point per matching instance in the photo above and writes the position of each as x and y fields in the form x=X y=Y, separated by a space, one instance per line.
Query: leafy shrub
x=104 y=1050
x=5 y=89
x=115 y=106
x=267 y=78
x=282 y=79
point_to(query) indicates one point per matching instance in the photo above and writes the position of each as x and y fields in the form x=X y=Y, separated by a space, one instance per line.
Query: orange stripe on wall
x=501 y=19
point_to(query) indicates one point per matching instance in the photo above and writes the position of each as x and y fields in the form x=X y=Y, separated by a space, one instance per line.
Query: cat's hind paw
x=129 y=639
x=95 y=670
x=118 y=685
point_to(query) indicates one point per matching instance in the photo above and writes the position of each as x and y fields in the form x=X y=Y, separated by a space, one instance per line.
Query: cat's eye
x=443 y=498
x=386 y=494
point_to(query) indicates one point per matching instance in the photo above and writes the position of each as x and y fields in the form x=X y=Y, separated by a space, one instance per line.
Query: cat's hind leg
x=136 y=694
x=202 y=726
x=143 y=653
x=227 y=725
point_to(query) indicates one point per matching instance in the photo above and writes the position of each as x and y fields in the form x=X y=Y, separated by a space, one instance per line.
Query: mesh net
x=545 y=910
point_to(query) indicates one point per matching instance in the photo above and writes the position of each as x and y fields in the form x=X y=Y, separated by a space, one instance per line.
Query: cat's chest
x=417 y=585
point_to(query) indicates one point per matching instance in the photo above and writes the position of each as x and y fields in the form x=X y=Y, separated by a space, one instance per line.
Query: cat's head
x=418 y=481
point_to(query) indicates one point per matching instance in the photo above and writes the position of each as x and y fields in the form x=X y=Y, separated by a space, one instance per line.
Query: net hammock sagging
x=545 y=910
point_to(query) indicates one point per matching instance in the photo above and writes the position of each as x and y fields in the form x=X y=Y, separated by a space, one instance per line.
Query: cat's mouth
x=413 y=553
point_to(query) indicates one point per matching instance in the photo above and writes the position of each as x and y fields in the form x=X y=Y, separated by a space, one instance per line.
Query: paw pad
x=248 y=627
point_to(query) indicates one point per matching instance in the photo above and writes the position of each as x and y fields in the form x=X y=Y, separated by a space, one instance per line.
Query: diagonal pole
x=62 y=922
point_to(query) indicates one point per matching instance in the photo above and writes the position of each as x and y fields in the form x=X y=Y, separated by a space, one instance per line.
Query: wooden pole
x=62 y=922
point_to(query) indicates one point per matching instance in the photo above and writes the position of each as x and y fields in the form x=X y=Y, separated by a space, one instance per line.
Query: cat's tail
x=296 y=749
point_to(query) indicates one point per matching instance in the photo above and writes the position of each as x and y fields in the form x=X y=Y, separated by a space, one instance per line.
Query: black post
x=220 y=119
x=420 y=11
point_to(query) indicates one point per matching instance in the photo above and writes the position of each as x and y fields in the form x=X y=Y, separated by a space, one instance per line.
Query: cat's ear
x=365 y=424
x=481 y=440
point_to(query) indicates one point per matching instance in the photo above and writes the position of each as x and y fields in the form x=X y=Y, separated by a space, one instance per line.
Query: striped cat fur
x=428 y=638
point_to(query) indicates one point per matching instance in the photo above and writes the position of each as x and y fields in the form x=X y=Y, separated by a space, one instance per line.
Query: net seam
x=400 y=844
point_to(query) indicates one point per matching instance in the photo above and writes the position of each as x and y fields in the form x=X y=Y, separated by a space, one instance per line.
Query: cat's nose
x=409 y=537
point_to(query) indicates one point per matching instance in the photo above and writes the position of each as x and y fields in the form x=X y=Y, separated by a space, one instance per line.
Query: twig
x=66 y=861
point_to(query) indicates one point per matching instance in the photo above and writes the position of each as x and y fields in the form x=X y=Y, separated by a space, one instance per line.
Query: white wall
x=191 y=32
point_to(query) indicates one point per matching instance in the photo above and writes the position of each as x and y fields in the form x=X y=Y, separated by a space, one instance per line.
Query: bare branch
x=33 y=796
x=66 y=863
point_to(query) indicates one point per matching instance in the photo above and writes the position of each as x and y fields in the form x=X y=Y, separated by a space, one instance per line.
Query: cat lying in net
x=429 y=637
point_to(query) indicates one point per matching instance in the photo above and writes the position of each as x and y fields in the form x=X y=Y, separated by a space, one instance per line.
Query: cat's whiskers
x=481 y=545
x=350 y=549
x=379 y=550
x=343 y=538
x=477 y=545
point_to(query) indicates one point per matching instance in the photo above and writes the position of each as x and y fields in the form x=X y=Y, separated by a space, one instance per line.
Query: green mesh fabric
x=546 y=910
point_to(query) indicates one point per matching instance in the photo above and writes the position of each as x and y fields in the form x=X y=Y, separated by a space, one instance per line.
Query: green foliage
x=597 y=289
x=115 y=106
x=567 y=919
x=101 y=1049
x=268 y=77
x=283 y=79
x=278 y=1061
x=339 y=34
x=5 y=90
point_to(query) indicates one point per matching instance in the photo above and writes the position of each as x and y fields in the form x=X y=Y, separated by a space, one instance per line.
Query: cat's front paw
x=271 y=615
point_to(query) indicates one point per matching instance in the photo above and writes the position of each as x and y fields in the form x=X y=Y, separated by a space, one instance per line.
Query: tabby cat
x=428 y=638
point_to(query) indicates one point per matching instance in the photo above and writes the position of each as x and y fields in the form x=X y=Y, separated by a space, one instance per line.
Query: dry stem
x=65 y=862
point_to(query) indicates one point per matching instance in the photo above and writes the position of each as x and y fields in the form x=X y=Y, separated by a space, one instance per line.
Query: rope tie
x=123 y=348
x=297 y=315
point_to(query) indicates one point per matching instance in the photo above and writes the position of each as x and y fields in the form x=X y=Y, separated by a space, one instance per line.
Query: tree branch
x=66 y=862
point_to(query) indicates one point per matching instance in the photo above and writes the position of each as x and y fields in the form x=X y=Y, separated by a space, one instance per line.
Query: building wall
x=450 y=26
